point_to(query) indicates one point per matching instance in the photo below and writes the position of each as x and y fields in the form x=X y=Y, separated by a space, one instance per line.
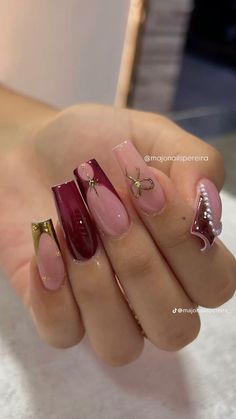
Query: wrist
x=20 y=118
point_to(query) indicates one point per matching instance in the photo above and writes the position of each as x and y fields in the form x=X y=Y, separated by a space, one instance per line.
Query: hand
x=158 y=262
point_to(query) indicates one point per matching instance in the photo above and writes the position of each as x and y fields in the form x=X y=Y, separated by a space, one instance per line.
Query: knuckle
x=60 y=339
x=93 y=288
x=222 y=296
x=162 y=120
x=87 y=289
x=81 y=110
x=224 y=285
x=54 y=330
x=177 y=338
x=139 y=264
x=61 y=342
x=120 y=359
x=176 y=236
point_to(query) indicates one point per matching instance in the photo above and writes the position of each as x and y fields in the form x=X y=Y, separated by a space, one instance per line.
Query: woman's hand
x=151 y=250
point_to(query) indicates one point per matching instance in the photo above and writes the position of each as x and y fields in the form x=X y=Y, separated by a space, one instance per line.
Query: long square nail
x=103 y=201
x=143 y=186
x=207 y=217
x=49 y=259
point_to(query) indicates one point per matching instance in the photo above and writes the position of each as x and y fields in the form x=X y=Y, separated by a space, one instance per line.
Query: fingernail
x=146 y=191
x=49 y=260
x=77 y=225
x=207 y=218
x=103 y=201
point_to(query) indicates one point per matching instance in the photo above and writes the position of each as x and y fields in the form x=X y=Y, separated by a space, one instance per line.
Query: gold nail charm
x=139 y=185
x=93 y=183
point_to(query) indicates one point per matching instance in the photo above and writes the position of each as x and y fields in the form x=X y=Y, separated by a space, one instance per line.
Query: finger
x=52 y=305
x=165 y=142
x=207 y=277
x=109 y=323
x=149 y=283
x=103 y=127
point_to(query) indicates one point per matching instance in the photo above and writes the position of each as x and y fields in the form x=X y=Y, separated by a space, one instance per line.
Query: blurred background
x=176 y=57
x=156 y=55
x=63 y=51
x=185 y=67
x=186 y=59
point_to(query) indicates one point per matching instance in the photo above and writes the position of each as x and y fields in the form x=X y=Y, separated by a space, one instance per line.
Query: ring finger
x=150 y=285
x=109 y=323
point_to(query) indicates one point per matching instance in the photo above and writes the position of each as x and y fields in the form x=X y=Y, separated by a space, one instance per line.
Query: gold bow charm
x=139 y=185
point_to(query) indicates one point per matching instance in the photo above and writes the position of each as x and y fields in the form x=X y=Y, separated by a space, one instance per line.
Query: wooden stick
x=135 y=17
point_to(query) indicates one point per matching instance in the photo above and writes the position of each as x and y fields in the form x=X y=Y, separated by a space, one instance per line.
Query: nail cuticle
x=85 y=261
x=155 y=214
x=123 y=235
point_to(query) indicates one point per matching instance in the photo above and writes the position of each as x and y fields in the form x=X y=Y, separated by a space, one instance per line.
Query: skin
x=163 y=270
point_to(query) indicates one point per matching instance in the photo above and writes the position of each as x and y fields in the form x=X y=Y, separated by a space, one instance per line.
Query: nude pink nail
x=102 y=199
x=49 y=260
x=146 y=191
x=207 y=217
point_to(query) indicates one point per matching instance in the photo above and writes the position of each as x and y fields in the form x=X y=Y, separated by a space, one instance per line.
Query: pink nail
x=49 y=260
x=103 y=201
x=145 y=189
x=208 y=209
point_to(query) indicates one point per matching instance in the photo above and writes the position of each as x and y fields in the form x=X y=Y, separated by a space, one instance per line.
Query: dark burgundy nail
x=78 y=227
x=207 y=218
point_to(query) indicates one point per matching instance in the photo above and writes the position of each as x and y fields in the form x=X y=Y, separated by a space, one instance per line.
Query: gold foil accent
x=40 y=228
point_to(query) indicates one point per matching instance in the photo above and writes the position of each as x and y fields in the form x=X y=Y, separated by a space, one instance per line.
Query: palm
x=73 y=137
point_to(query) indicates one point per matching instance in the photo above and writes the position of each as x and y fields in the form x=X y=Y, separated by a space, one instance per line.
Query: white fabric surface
x=38 y=382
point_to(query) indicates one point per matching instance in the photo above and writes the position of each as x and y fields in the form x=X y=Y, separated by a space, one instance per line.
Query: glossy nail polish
x=144 y=188
x=207 y=217
x=49 y=260
x=103 y=201
x=80 y=233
